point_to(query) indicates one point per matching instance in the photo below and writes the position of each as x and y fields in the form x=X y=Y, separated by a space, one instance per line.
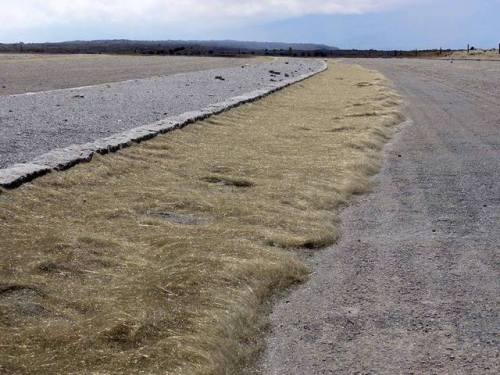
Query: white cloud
x=29 y=14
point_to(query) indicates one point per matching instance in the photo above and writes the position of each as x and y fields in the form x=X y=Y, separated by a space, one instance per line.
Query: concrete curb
x=61 y=159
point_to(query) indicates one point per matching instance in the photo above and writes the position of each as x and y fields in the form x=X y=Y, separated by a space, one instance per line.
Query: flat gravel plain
x=34 y=123
x=413 y=285
x=21 y=73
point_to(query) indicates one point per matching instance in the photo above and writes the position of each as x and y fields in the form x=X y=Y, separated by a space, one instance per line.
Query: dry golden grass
x=158 y=259
x=477 y=54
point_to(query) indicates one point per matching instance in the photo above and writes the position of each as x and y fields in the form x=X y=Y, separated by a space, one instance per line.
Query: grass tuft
x=228 y=181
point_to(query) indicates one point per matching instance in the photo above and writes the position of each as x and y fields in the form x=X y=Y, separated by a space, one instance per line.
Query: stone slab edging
x=64 y=158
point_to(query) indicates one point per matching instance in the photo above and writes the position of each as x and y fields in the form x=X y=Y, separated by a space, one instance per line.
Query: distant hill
x=209 y=48
x=264 y=45
x=168 y=47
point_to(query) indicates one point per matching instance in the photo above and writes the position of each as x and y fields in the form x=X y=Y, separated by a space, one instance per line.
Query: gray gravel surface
x=413 y=285
x=33 y=124
x=21 y=73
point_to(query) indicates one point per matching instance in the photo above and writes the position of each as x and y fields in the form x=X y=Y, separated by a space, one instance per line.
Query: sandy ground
x=20 y=73
x=412 y=287
x=33 y=124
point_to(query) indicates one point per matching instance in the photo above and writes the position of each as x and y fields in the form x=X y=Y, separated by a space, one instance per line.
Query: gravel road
x=413 y=286
x=33 y=124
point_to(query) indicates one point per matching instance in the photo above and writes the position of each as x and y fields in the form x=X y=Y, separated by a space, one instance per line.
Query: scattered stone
x=220 y=78
x=78 y=96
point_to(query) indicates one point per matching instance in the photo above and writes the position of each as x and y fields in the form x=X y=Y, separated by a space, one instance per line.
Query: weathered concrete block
x=19 y=174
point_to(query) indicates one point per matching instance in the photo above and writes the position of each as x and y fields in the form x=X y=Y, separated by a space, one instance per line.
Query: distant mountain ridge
x=264 y=45
x=125 y=44
x=223 y=48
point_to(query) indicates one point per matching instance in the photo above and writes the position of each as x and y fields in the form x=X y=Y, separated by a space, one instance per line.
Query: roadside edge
x=65 y=158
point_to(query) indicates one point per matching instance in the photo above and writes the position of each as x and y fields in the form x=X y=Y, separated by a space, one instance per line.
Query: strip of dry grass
x=477 y=54
x=157 y=259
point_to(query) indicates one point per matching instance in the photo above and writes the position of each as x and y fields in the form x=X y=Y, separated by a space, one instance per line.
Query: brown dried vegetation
x=157 y=259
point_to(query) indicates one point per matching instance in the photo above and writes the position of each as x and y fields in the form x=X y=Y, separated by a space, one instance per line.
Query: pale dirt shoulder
x=412 y=286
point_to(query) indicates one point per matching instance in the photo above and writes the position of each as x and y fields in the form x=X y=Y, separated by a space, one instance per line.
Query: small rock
x=78 y=96
x=220 y=78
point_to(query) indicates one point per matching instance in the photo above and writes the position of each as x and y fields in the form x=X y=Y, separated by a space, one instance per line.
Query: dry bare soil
x=20 y=73
x=158 y=259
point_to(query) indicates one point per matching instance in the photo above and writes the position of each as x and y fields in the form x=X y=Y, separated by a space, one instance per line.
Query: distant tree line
x=203 y=48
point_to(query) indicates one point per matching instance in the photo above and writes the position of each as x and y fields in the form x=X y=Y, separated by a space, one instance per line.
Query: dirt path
x=413 y=285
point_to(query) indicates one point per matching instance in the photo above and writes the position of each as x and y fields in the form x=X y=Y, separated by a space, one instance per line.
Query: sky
x=363 y=24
